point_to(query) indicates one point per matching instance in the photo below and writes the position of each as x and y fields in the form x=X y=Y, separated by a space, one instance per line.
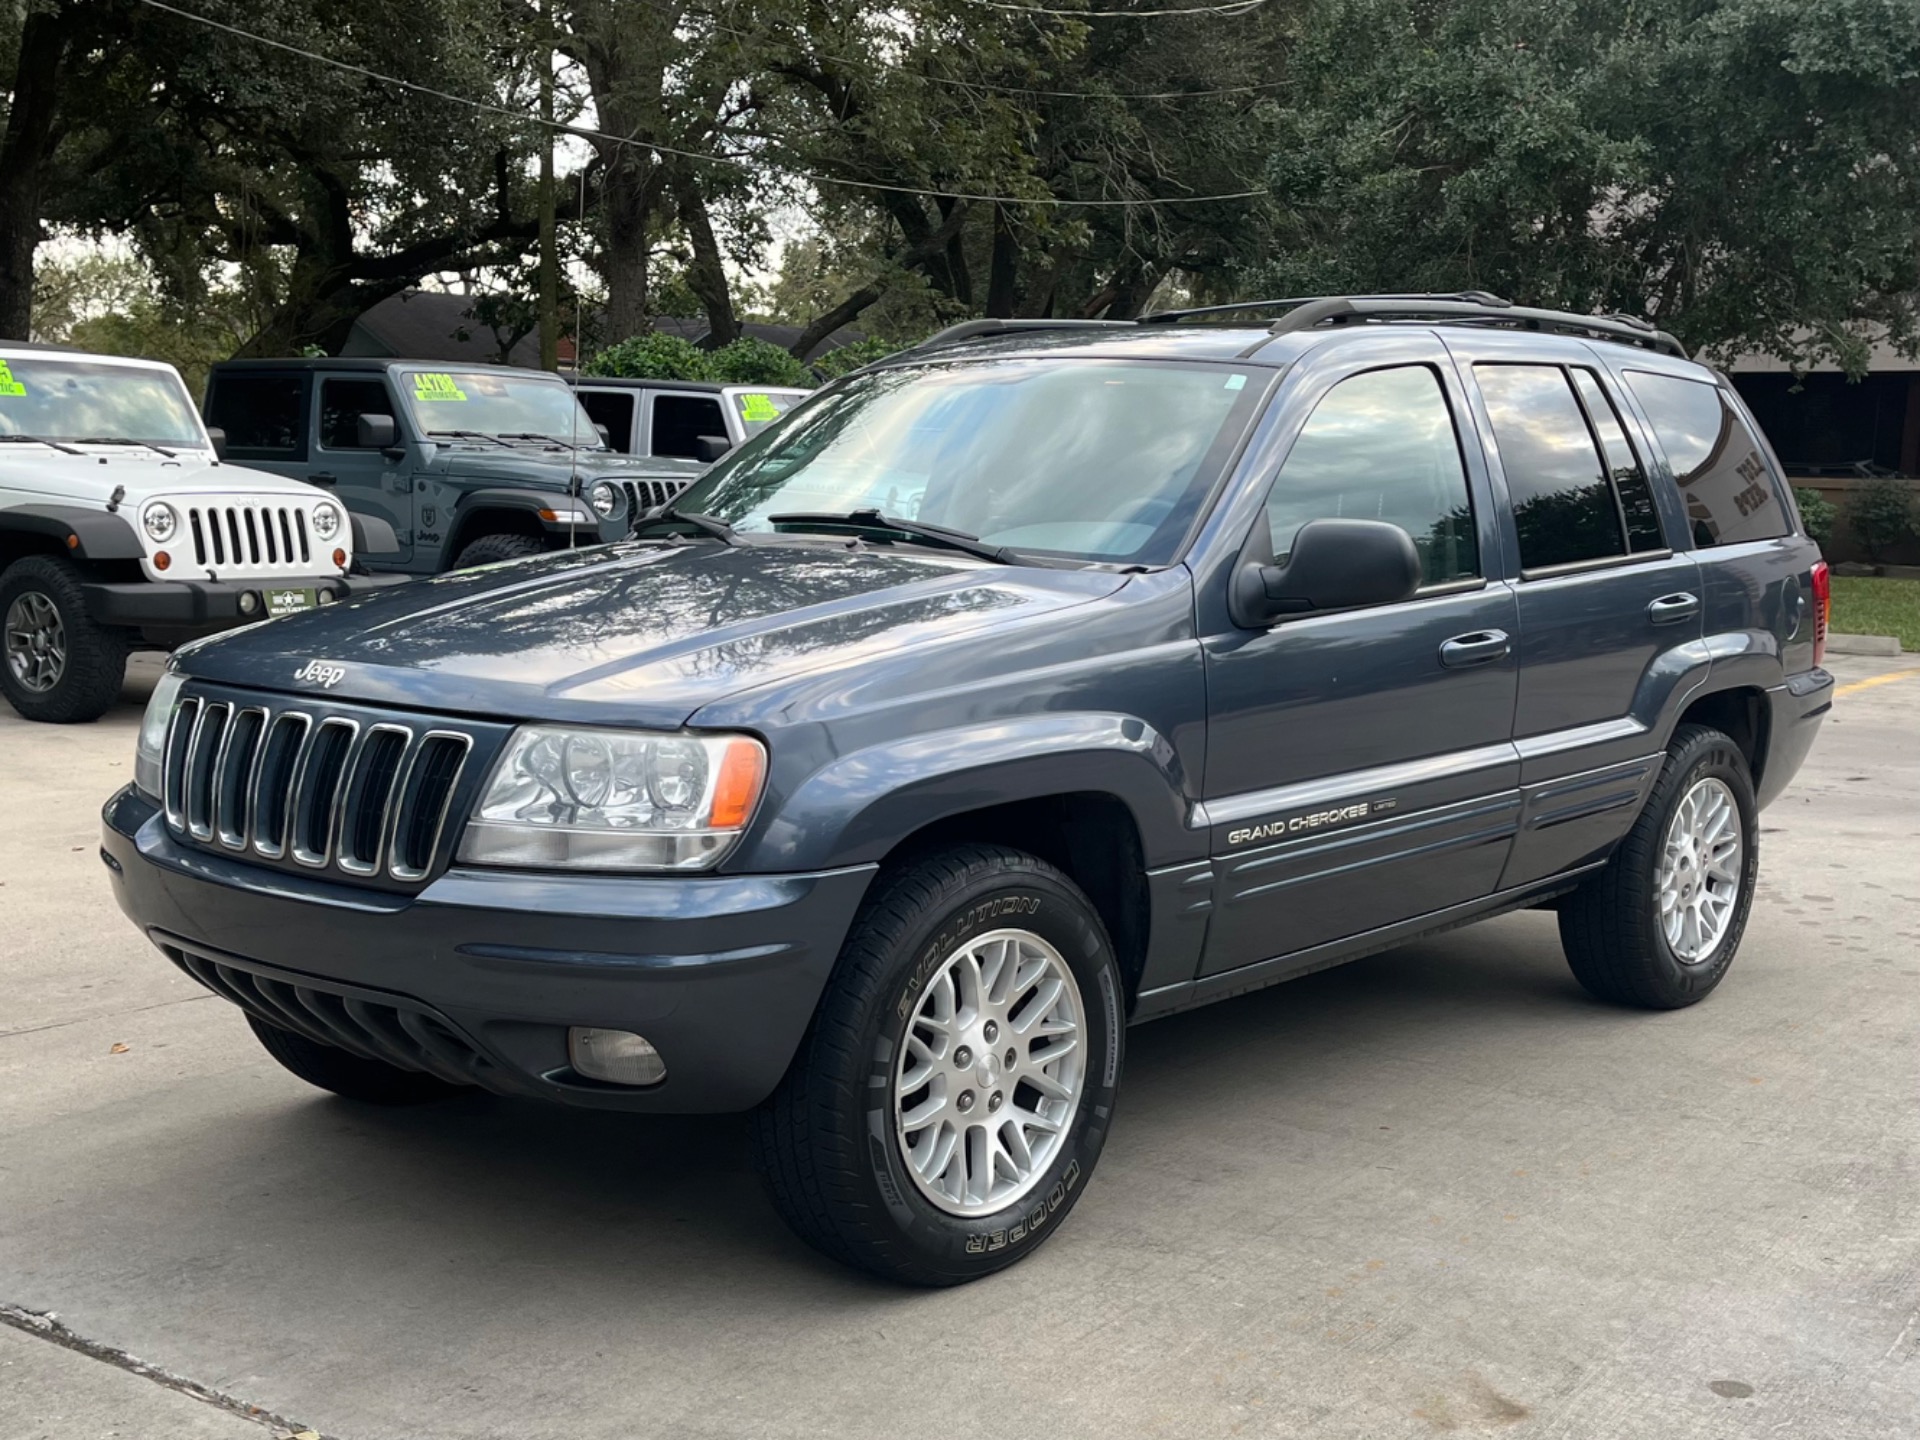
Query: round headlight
x=159 y=520
x=326 y=521
x=605 y=498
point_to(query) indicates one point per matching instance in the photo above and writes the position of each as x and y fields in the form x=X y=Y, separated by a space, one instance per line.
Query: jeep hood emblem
x=318 y=672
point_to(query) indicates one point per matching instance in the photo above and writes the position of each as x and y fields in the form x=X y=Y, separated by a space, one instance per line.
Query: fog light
x=617 y=1056
x=249 y=602
x=327 y=597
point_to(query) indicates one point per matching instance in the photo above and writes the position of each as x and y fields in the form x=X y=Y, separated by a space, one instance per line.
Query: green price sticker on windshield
x=430 y=385
x=757 y=409
x=9 y=385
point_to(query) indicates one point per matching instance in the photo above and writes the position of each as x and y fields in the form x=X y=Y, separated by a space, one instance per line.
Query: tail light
x=1822 y=608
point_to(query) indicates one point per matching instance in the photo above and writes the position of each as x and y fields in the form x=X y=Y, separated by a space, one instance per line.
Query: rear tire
x=373 y=1082
x=57 y=665
x=1659 y=926
x=853 y=1160
x=491 y=549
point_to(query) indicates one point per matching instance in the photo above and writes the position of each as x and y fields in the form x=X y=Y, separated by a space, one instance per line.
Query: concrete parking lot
x=1438 y=1191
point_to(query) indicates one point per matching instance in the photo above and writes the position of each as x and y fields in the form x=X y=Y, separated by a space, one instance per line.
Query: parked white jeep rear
x=120 y=528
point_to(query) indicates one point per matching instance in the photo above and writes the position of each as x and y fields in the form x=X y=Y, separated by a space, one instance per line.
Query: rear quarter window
x=264 y=416
x=1729 y=493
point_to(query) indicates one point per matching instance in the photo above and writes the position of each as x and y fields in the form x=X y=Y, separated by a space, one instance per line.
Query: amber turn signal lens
x=162 y=560
x=741 y=774
x=340 y=557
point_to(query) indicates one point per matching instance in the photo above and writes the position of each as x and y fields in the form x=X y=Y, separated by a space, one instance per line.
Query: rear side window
x=1716 y=460
x=1381 y=446
x=1564 y=504
x=680 y=420
x=1629 y=477
x=264 y=415
x=342 y=403
x=613 y=409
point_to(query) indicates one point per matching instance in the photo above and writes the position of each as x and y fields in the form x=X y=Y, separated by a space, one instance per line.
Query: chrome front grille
x=322 y=792
x=644 y=496
x=252 y=538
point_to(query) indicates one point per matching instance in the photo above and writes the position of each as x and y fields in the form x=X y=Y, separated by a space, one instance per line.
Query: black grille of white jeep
x=365 y=795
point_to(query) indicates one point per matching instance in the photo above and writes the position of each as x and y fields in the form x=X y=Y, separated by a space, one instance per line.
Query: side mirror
x=219 y=439
x=375 y=432
x=606 y=435
x=709 y=448
x=1334 y=565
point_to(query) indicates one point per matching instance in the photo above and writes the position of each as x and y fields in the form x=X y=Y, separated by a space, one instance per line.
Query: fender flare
x=859 y=806
x=539 y=504
x=84 y=534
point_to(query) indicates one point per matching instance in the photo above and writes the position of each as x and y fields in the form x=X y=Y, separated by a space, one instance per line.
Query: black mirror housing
x=1333 y=565
x=709 y=448
x=218 y=437
x=375 y=432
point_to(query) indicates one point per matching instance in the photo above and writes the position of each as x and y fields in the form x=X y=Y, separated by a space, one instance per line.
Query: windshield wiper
x=550 y=439
x=471 y=435
x=118 y=440
x=872 y=519
x=706 y=524
x=41 y=440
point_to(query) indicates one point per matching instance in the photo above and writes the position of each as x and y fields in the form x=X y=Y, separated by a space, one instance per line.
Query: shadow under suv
x=1043 y=679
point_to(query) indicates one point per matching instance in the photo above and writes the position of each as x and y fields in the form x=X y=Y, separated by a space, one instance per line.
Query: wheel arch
x=67 y=531
x=1741 y=712
x=497 y=512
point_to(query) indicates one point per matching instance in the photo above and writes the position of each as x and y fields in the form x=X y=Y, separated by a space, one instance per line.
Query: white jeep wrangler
x=121 y=528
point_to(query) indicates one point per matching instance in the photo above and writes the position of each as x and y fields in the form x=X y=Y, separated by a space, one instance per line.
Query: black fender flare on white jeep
x=80 y=533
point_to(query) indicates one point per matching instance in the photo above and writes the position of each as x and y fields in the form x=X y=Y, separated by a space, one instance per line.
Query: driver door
x=366 y=481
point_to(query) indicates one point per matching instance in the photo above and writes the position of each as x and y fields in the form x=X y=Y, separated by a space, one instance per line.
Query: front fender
x=84 y=534
x=556 y=511
x=856 y=808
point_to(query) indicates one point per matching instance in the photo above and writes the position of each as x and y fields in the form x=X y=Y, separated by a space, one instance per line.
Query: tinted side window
x=342 y=403
x=679 y=420
x=1715 y=458
x=1563 y=505
x=1381 y=446
x=264 y=415
x=1629 y=477
x=613 y=409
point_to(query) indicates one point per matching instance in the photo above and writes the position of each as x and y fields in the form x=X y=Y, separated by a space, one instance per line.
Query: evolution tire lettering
x=942 y=945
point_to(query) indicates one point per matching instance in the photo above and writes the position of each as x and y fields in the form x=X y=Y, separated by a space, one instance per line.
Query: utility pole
x=549 y=250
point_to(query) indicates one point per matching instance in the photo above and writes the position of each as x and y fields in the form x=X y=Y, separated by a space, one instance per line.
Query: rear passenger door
x=1609 y=615
x=616 y=409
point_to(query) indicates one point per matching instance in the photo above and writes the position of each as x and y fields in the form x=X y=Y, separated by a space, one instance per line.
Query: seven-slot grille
x=254 y=538
x=646 y=495
x=326 y=792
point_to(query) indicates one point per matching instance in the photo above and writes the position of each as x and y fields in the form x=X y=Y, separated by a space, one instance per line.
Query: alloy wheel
x=36 y=642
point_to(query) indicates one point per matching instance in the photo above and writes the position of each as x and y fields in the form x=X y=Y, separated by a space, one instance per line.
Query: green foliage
x=1816 y=513
x=836 y=363
x=652 y=356
x=1881 y=513
x=1877 y=605
x=111 y=304
x=748 y=361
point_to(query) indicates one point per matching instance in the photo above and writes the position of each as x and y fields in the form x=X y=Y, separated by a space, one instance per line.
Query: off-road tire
x=489 y=549
x=826 y=1140
x=96 y=664
x=1610 y=927
x=373 y=1082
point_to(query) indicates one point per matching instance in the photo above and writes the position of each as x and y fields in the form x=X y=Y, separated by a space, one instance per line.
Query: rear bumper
x=1798 y=707
x=479 y=975
x=207 y=606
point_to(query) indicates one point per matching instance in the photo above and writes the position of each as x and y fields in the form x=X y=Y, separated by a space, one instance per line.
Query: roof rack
x=1165 y=317
x=1340 y=309
x=975 y=329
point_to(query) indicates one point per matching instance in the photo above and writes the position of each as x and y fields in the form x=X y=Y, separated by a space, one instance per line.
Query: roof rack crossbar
x=975 y=329
x=1339 y=309
x=1163 y=317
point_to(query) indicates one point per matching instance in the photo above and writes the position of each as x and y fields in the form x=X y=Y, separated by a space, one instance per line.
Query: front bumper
x=207 y=606
x=478 y=976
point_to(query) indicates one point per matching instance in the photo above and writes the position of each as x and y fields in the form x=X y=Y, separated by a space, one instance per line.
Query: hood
x=637 y=633
x=93 y=476
x=530 y=464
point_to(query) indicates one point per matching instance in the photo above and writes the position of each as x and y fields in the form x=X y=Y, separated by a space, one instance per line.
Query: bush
x=652 y=356
x=836 y=363
x=748 y=361
x=1816 y=513
x=1881 y=513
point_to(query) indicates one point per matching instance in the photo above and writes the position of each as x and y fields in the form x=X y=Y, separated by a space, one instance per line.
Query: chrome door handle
x=1475 y=649
x=1669 y=608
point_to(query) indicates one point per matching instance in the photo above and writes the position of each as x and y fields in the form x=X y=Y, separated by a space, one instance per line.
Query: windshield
x=1094 y=460
x=446 y=402
x=758 y=409
x=71 y=400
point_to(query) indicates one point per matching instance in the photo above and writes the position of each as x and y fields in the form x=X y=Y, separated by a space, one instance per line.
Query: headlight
x=326 y=521
x=160 y=520
x=606 y=499
x=149 y=750
x=574 y=799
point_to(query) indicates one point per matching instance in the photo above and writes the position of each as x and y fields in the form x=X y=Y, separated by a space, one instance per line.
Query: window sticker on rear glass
x=431 y=385
x=9 y=385
x=757 y=408
x=1236 y=382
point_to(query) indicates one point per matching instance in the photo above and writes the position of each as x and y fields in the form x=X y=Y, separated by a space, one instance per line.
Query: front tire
x=953 y=1094
x=372 y=1082
x=57 y=665
x=492 y=549
x=1659 y=926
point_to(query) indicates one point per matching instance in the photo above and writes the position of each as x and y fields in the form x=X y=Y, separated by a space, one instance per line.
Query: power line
x=583 y=133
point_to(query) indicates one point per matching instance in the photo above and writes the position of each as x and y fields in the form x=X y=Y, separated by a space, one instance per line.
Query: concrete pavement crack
x=91 y=1019
x=47 y=1327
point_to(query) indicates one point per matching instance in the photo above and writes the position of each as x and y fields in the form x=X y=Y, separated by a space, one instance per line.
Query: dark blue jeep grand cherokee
x=1046 y=678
